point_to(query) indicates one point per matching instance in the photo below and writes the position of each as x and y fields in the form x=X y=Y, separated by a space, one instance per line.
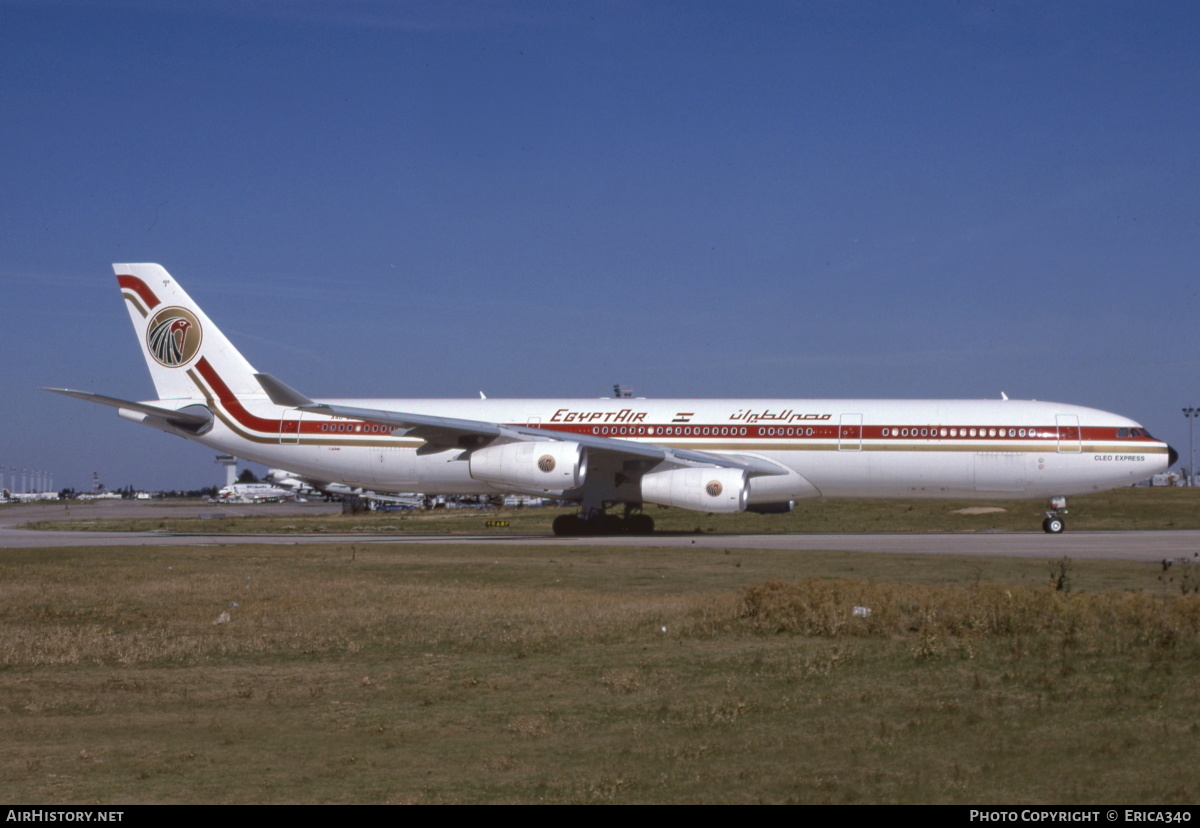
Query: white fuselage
x=706 y=455
x=832 y=448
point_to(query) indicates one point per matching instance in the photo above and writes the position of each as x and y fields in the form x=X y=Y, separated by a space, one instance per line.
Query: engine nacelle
x=545 y=466
x=699 y=489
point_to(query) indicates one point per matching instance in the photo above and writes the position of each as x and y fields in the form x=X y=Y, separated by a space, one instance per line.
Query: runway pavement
x=1132 y=545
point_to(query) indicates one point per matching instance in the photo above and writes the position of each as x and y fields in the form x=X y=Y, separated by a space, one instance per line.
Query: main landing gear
x=600 y=523
x=1053 y=524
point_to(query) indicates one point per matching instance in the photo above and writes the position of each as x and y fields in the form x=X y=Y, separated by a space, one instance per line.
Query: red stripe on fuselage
x=232 y=404
x=1047 y=434
x=1043 y=435
x=139 y=287
x=247 y=420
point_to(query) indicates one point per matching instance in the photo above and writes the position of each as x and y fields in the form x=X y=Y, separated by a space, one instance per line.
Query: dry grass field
x=412 y=674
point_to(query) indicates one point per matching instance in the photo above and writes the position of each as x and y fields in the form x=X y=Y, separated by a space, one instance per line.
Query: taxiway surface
x=1128 y=545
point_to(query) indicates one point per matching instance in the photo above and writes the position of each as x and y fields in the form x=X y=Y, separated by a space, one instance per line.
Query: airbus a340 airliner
x=706 y=455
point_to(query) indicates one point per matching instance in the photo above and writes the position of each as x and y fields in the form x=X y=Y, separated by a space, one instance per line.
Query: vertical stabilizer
x=186 y=353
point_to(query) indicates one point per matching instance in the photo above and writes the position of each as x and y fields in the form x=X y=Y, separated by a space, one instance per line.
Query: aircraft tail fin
x=186 y=353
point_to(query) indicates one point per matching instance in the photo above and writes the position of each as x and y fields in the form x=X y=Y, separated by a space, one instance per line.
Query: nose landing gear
x=1054 y=524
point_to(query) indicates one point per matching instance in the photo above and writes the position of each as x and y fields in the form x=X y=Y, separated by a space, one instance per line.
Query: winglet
x=282 y=394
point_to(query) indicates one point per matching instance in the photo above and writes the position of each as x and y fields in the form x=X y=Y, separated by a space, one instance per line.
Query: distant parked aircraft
x=253 y=493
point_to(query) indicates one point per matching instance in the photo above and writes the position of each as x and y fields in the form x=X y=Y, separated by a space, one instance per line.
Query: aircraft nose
x=1172 y=456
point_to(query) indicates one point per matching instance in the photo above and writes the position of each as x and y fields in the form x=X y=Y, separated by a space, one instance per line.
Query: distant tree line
x=129 y=493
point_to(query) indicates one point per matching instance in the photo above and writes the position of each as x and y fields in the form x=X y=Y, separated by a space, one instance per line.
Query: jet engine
x=699 y=489
x=544 y=466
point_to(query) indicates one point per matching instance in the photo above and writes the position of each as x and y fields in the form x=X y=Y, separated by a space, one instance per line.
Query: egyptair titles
x=628 y=415
x=786 y=416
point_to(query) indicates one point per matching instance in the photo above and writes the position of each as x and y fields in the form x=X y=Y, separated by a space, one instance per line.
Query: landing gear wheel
x=1053 y=526
x=640 y=524
x=568 y=525
x=605 y=525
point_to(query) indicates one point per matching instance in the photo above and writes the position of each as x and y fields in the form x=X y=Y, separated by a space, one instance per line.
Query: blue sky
x=696 y=199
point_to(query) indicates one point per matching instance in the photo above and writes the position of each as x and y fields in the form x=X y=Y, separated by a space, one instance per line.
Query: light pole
x=1191 y=414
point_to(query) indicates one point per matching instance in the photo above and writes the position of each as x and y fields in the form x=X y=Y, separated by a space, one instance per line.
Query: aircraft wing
x=440 y=433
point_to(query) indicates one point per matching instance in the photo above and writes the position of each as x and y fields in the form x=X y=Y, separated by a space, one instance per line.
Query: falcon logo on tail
x=174 y=336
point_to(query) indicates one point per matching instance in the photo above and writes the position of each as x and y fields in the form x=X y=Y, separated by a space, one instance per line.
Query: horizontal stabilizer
x=186 y=419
